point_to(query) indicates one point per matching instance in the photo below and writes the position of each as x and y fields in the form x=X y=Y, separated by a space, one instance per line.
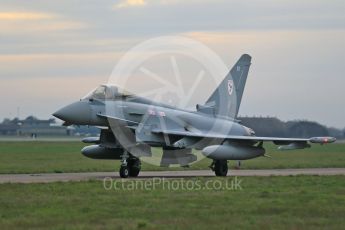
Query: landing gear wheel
x=124 y=172
x=134 y=166
x=221 y=168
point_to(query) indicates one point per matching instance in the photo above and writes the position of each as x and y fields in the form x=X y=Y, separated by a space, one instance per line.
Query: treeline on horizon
x=273 y=127
x=263 y=126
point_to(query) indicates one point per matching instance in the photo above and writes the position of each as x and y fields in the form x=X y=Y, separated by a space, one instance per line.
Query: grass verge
x=303 y=202
x=50 y=157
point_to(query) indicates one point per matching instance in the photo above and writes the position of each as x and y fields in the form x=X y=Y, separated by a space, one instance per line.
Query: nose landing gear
x=130 y=166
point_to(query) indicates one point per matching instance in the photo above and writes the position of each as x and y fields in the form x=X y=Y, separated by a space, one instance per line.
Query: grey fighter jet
x=132 y=125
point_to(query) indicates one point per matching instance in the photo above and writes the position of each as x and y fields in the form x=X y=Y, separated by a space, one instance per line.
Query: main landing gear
x=220 y=167
x=130 y=166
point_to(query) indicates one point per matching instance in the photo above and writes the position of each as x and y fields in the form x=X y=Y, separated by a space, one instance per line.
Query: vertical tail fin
x=226 y=99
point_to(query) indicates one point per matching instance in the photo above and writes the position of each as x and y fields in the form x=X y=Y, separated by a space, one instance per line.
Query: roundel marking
x=230 y=87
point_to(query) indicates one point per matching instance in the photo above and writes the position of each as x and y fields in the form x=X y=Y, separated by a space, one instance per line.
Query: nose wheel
x=124 y=172
x=130 y=166
x=134 y=166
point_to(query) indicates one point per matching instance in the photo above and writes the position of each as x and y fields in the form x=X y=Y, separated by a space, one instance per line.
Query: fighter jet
x=131 y=126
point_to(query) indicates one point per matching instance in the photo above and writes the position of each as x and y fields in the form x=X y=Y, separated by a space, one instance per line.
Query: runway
x=66 y=177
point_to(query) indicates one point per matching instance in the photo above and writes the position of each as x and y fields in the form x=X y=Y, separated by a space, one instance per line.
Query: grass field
x=38 y=157
x=302 y=202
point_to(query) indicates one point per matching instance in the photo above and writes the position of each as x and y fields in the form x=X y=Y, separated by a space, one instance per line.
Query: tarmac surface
x=66 y=177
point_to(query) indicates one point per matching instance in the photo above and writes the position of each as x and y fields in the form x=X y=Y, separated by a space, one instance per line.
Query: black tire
x=124 y=172
x=134 y=167
x=221 y=168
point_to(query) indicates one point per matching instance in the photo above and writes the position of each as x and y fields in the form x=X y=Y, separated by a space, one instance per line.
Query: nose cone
x=78 y=113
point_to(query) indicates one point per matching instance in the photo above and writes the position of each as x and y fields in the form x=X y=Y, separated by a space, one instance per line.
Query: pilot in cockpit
x=107 y=92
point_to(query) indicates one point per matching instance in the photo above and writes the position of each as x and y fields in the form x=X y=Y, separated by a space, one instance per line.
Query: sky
x=54 y=52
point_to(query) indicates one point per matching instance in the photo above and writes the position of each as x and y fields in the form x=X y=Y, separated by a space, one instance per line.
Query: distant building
x=31 y=126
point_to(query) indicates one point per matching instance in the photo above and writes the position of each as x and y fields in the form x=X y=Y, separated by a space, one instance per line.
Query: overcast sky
x=54 y=52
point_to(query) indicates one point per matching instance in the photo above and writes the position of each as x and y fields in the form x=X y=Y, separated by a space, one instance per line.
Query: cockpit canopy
x=107 y=92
